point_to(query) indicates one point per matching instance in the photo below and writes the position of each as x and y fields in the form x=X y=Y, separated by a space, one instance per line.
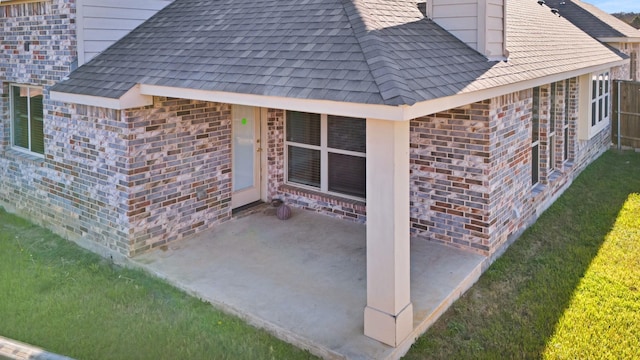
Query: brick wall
x=471 y=168
x=49 y=28
x=275 y=152
x=178 y=170
x=449 y=186
x=625 y=72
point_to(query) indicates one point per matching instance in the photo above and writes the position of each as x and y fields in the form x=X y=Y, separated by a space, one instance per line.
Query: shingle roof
x=592 y=20
x=360 y=51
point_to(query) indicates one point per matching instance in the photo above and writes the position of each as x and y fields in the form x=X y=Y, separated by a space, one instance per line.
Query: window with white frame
x=595 y=104
x=326 y=153
x=565 y=120
x=599 y=98
x=535 y=137
x=551 y=137
x=27 y=118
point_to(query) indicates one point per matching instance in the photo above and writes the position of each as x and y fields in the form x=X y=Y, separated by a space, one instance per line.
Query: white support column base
x=386 y=328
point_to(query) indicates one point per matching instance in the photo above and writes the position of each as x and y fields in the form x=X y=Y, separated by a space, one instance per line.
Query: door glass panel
x=243 y=147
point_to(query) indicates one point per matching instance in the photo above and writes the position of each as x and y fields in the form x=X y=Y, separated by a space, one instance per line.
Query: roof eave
x=142 y=95
x=441 y=104
x=619 y=39
x=131 y=99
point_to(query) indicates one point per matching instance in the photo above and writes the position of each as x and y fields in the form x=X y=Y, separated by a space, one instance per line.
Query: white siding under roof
x=101 y=23
x=478 y=23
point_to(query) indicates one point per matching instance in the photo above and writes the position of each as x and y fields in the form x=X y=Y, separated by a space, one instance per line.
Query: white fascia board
x=142 y=95
x=131 y=99
x=450 y=102
x=307 y=105
x=619 y=39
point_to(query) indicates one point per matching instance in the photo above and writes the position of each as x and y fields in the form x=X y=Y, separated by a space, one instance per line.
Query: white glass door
x=246 y=155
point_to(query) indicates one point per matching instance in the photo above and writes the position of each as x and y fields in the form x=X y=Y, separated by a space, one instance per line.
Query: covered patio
x=305 y=279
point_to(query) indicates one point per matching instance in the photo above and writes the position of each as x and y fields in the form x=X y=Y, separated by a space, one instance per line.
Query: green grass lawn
x=569 y=288
x=64 y=299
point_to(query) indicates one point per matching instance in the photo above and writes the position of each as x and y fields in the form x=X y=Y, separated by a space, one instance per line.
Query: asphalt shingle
x=592 y=20
x=361 y=51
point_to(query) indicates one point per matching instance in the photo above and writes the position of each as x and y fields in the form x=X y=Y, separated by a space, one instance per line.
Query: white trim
x=12 y=120
x=586 y=130
x=80 y=31
x=264 y=165
x=359 y=110
x=277 y=102
x=619 y=39
x=481 y=30
x=324 y=153
x=131 y=99
x=451 y=102
x=553 y=125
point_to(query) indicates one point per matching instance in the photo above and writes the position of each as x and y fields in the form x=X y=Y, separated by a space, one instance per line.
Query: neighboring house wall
x=102 y=23
x=631 y=71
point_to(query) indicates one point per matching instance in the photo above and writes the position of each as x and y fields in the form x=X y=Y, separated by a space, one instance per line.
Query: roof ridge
x=386 y=73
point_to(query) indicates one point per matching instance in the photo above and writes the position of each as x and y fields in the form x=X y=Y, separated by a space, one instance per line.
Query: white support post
x=388 y=316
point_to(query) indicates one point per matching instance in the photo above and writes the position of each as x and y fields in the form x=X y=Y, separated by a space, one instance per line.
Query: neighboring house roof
x=594 y=21
x=358 y=51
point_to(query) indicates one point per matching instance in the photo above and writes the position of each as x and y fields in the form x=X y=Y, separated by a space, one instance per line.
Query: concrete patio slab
x=304 y=279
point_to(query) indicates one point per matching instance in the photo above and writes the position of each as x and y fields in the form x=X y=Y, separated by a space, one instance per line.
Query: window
x=27 y=118
x=552 y=128
x=599 y=98
x=535 y=137
x=326 y=153
x=565 y=120
x=595 y=94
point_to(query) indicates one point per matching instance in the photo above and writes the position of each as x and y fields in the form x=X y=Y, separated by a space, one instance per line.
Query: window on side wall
x=565 y=121
x=535 y=138
x=595 y=92
x=552 y=127
x=326 y=153
x=27 y=118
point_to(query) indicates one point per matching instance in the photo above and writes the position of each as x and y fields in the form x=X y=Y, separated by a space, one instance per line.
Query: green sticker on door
x=244 y=121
